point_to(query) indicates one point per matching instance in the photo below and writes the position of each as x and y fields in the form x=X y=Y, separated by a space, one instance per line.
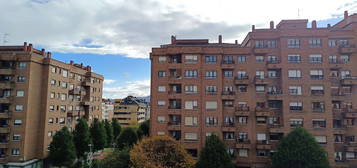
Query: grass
x=108 y=150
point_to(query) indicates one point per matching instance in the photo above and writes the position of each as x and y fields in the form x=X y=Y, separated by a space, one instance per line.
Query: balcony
x=243 y=144
x=349 y=81
x=242 y=111
x=87 y=82
x=4 y=129
x=351 y=147
x=227 y=64
x=5 y=114
x=7 y=71
x=6 y=100
x=262 y=51
x=174 y=125
x=7 y=84
x=276 y=128
x=74 y=91
x=347 y=49
x=275 y=94
x=241 y=80
x=85 y=103
x=262 y=111
x=349 y=113
x=228 y=94
x=263 y=144
x=260 y=80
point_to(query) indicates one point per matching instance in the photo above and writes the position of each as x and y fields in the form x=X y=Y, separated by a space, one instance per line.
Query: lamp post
x=90 y=156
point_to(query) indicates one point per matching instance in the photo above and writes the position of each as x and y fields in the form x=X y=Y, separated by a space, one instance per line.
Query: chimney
x=29 y=48
x=271 y=24
x=220 y=39
x=49 y=54
x=253 y=28
x=81 y=65
x=71 y=62
x=346 y=15
x=89 y=68
x=328 y=25
x=25 y=46
x=173 y=39
x=236 y=42
x=313 y=24
x=43 y=52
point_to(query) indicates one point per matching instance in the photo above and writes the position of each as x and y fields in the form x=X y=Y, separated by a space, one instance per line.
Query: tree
x=116 y=128
x=214 y=154
x=62 y=150
x=117 y=159
x=145 y=127
x=299 y=149
x=109 y=132
x=81 y=137
x=160 y=152
x=98 y=135
x=127 y=138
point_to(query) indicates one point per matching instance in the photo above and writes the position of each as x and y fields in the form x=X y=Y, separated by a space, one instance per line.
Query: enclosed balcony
x=241 y=79
x=175 y=104
x=242 y=110
x=175 y=134
x=175 y=88
x=349 y=80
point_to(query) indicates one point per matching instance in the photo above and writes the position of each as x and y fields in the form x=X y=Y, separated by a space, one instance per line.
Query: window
x=228 y=59
x=191 y=59
x=162 y=59
x=273 y=59
x=228 y=135
x=321 y=139
x=331 y=43
x=162 y=73
x=243 y=152
x=261 y=120
x=61 y=121
x=191 y=121
x=16 y=137
x=191 y=74
x=161 y=119
x=242 y=120
x=332 y=59
x=190 y=105
x=344 y=43
x=65 y=73
x=293 y=43
x=317 y=90
x=21 y=79
x=242 y=88
x=229 y=121
x=161 y=89
x=259 y=58
x=318 y=106
x=191 y=89
x=345 y=58
x=315 y=43
x=190 y=136
x=296 y=122
x=15 y=152
x=63 y=97
x=294 y=59
x=271 y=43
x=50 y=120
x=160 y=133
x=22 y=65
x=261 y=137
x=345 y=74
x=64 y=84
x=211 y=121
x=227 y=73
x=318 y=123
x=19 y=107
x=20 y=93
x=49 y=133
x=295 y=106
x=242 y=75
x=211 y=105
x=161 y=103
x=17 y=122
x=338 y=138
x=272 y=74
x=211 y=74
x=294 y=73
x=53 y=69
x=259 y=44
x=242 y=59
x=315 y=58
x=52 y=95
x=52 y=108
x=316 y=74
x=351 y=155
x=211 y=89
x=63 y=108
x=259 y=74
x=210 y=59
x=259 y=88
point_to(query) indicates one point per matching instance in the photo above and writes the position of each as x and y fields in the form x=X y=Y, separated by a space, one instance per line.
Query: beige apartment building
x=130 y=110
x=38 y=96
x=253 y=93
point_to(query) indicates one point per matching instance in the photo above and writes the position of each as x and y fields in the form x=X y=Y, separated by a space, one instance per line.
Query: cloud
x=133 y=27
x=134 y=88
x=109 y=81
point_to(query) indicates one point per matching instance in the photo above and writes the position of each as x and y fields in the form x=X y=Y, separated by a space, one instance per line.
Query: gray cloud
x=129 y=27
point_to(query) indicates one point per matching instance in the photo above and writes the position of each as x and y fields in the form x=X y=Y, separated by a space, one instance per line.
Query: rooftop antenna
x=299 y=13
x=5 y=38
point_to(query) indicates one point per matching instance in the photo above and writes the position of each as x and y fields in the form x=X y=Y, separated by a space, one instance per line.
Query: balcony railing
x=242 y=108
x=228 y=93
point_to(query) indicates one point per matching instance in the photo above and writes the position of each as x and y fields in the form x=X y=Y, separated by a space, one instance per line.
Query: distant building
x=130 y=110
x=38 y=96
x=107 y=109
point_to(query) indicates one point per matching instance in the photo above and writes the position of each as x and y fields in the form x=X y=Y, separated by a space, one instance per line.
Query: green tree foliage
x=62 y=150
x=299 y=149
x=81 y=137
x=160 y=152
x=214 y=154
x=127 y=138
x=109 y=132
x=145 y=127
x=98 y=135
x=116 y=128
x=117 y=159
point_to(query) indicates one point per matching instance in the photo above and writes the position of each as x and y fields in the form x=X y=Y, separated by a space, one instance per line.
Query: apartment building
x=251 y=94
x=107 y=109
x=38 y=96
x=130 y=110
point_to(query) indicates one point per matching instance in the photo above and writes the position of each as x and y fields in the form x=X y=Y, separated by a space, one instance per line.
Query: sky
x=115 y=36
